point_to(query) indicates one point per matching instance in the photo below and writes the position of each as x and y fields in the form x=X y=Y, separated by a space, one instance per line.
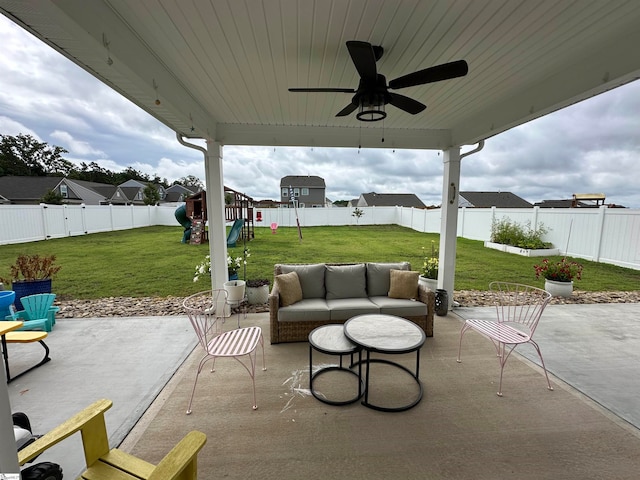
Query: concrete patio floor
x=592 y=348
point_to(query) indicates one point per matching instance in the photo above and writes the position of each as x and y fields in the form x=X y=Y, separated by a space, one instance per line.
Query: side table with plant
x=30 y=275
x=559 y=276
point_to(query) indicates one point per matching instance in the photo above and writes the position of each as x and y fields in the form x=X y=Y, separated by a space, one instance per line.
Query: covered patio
x=220 y=71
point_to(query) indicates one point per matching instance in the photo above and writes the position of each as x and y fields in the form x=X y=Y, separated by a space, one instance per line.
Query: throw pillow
x=288 y=286
x=403 y=284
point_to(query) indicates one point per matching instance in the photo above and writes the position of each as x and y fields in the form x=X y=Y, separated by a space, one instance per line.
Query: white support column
x=214 y=183
x=449 y=221
x=8 y=452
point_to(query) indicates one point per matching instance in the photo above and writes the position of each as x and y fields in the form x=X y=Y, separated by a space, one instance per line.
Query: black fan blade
x=407 y=104
x=438 y=73
x=364 y=59
x=339 y=90
x=347 y=110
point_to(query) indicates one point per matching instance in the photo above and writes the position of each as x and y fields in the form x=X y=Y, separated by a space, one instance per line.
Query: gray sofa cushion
x=311 y=278
x=399 y=307
x=378 y=277
x=314 y=309
x=345 y=281
x=344 y=308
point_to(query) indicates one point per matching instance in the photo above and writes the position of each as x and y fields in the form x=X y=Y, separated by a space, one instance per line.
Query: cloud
x=590 y=147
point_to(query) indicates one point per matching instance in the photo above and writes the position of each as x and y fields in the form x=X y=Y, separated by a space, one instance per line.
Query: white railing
x=609 y=235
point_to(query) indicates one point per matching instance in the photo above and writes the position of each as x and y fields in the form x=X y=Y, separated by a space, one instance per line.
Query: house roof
x=26 y=189
x=374 y=199
x=492 y=199
x=302 y=181
x=221 y=70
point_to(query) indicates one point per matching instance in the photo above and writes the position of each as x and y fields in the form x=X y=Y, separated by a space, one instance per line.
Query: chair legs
x=503 y=351
x=250 y=367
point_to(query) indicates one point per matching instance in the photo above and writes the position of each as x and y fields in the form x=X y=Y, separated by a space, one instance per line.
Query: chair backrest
x=206 y=312
x=37 y=306
x=519 y=304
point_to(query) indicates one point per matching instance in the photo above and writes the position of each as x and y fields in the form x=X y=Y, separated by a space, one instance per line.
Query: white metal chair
x=519 y=308
x=206 y=311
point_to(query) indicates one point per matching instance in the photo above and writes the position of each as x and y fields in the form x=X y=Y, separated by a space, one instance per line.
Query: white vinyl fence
x=609 y=235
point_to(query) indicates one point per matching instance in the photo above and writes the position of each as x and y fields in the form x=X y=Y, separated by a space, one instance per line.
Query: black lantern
x=371 y=108
x=442 y=302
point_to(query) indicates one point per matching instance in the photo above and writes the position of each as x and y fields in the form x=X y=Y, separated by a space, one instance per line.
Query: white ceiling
x=221 y=68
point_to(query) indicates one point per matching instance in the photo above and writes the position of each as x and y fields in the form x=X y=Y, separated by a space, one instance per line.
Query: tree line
x=23 y=155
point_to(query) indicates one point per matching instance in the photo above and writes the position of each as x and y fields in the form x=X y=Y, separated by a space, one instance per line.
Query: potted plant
x=429 y=270
x=257 y=291
x=234 y=287
x=559 y=276
x=31 y=274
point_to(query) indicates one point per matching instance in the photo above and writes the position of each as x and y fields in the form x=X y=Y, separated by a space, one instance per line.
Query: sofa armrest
x=428 y=297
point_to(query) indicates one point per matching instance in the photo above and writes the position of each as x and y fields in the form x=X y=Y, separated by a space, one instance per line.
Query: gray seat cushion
x=346 y=281
x=311 y=279
x=399 y=306
x=378 y=277
x=344 y=308
x=313 y=309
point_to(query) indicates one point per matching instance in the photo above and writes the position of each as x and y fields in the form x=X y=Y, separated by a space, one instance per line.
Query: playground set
x=193 y=217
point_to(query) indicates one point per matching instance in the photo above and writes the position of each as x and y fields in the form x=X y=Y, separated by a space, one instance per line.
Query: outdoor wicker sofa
x=329 y=293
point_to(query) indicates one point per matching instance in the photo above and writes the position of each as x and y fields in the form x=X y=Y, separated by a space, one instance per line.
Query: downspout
x=475 y=150
x=196 y=147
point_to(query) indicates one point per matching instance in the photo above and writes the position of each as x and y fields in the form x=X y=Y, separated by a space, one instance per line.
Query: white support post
x=8 y=452
x=449 y=221
x=215 y=214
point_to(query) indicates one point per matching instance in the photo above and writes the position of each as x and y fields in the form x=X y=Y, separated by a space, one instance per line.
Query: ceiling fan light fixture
x=372 y=110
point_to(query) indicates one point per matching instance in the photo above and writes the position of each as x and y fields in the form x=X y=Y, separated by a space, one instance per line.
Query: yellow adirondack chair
x=105 y=463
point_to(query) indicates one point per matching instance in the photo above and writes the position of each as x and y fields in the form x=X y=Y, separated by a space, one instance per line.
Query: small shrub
x=506 y=232
x=32 y=267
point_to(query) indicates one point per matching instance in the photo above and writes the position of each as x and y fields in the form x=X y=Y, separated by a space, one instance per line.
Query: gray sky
x=591 y=147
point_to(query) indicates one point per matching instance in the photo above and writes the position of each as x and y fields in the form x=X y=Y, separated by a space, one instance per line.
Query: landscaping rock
x=155 y=307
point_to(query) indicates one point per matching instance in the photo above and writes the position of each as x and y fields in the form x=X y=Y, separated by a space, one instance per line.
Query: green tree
x=357 y=213
x=151 y=195
x=23 y=155
x=191 y=182
x=52 y=198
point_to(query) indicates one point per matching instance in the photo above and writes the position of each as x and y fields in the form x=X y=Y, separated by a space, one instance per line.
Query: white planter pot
x=235 y=290
x=559 y=289
x=258 y=295
x=430 y=283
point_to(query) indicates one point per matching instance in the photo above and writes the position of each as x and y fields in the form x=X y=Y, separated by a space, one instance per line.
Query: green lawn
x=152 y=262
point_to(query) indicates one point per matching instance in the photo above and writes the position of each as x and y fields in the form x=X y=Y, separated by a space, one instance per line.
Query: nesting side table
x=330 y=340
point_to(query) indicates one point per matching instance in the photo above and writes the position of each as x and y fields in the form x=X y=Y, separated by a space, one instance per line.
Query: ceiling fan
x=373 y=92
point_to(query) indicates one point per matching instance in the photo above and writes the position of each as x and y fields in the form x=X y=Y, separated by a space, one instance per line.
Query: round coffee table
x=330 y=340
x=390 y=335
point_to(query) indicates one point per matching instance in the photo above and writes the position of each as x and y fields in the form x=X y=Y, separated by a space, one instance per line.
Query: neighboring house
x=20 y=190
x=492 y=199
x=134 y=191
x=374 y=199
x=308 y=190
x=579 y=200
x=177 y=193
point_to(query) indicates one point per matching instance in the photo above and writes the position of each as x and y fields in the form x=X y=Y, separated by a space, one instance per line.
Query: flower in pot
x=31 y=274
x=429 y=270
x=559 y=275
x=203 y=269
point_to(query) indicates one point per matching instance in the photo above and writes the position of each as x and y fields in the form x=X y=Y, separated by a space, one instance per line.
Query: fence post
x=45 y=220
x=599 y=232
